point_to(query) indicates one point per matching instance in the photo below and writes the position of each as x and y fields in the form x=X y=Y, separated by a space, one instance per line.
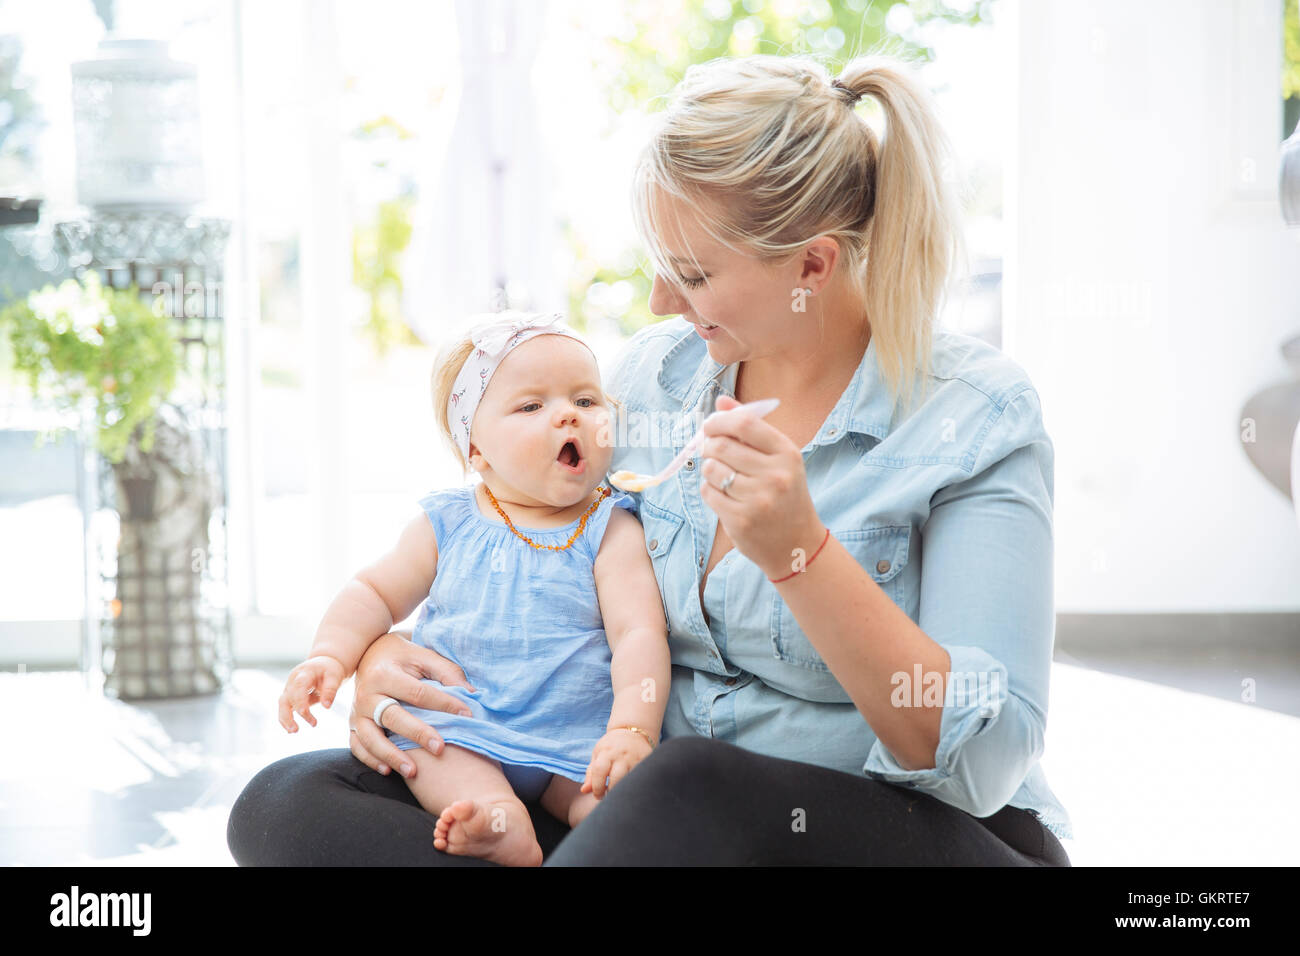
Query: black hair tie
x=851 y=97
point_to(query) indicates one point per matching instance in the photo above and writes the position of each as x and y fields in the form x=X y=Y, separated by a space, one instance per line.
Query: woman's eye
x=693 y=283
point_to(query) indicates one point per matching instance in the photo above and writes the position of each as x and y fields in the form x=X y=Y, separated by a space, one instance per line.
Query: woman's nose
x=664 y=298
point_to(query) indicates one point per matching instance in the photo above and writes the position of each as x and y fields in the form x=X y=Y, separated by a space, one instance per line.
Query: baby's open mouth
x=569 y=455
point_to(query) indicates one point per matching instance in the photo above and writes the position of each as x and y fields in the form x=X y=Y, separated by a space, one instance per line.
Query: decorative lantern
x=136 y=120
x=158 y=618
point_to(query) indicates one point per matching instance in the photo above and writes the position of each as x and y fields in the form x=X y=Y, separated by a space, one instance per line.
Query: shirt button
x=729 y=681
x=690 y=464
x=654 y=543
x=882 y=566
x=701 y=562
x=831 y=431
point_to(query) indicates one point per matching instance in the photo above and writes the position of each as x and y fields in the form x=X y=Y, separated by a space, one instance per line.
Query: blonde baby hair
x=451 y=358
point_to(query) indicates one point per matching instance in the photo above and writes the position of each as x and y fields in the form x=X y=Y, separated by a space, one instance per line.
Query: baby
x=536 y=581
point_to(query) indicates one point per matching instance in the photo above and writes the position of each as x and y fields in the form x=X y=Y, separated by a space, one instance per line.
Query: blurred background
x=310 y=190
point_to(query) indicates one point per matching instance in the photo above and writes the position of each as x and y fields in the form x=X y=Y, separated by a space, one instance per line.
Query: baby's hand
x=613 y=756
x=314 y=681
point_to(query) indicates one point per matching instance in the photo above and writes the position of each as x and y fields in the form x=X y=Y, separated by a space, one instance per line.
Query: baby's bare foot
x=496 y=830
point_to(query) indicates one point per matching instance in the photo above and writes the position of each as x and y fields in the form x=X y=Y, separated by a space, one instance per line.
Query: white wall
x=1150 y=280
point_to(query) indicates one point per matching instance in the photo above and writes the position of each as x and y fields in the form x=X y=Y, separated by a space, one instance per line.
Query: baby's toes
x=462 y=809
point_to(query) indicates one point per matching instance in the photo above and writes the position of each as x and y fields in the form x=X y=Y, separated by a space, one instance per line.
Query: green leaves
x=95 y=350
x=377 y=250
x=659 y=39
x=1291 y=47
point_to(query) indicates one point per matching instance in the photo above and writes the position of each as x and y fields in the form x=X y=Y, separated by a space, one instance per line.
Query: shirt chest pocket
x=882 y=552
x=661 y=527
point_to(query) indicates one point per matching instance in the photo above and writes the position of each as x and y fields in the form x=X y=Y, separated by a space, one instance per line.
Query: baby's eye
x=589 y=402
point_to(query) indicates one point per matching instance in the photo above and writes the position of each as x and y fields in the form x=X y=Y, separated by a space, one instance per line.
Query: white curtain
x=484 y=221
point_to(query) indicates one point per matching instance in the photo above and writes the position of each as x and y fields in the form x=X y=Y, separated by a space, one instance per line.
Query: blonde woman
x=858 y=587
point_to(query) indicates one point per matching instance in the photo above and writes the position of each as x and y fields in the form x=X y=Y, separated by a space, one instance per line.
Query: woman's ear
x=819 y=261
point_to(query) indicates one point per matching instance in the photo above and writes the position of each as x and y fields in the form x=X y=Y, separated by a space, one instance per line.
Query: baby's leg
x=478 y=813
x=563 y=801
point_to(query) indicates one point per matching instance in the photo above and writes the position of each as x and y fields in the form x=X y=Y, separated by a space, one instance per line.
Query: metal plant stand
x=158 y=618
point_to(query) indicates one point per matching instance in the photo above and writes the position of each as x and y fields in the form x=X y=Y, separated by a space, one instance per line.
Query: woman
x=858 y=586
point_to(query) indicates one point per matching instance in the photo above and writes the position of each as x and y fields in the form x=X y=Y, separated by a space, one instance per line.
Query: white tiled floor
x=137 y=784
x=1150 y=774
x=1153 y=775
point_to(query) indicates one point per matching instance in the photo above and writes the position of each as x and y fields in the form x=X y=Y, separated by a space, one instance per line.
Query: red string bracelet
x=806 y=563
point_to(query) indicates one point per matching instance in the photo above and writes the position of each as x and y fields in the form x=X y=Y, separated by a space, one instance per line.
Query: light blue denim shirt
x=948 y=509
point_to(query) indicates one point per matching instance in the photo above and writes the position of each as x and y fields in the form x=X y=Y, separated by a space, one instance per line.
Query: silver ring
x=726 y=482
x=384 y=703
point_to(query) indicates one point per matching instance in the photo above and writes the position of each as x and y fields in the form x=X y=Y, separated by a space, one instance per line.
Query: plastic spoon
x=631 y=481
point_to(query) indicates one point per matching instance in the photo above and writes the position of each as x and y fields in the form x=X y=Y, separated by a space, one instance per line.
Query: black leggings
x=693 y=801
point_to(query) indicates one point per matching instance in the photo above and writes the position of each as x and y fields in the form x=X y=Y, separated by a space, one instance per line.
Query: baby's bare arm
x=379 y=595
x=634 y=626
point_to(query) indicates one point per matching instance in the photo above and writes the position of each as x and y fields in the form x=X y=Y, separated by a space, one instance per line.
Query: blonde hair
x=451 y=359
x=772 y=155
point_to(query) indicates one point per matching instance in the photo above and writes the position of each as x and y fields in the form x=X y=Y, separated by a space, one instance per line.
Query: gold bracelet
x=639 y=731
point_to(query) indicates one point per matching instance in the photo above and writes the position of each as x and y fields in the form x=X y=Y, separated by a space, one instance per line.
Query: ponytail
x=914 y=237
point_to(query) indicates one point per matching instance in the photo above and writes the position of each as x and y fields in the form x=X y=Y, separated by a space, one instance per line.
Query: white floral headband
x=494 y=340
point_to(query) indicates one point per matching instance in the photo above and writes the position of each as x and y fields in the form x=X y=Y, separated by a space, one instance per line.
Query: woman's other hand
x=393 y=667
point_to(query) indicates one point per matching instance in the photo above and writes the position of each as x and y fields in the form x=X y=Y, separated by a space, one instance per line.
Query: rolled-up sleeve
x=987 y=598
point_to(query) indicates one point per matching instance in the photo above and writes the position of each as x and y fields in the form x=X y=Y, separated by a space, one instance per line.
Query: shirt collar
x=689 y=374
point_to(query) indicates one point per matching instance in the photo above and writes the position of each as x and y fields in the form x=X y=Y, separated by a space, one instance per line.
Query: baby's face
x=544 y=395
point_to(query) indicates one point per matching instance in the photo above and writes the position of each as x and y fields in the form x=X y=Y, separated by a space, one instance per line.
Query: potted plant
x=108 y=356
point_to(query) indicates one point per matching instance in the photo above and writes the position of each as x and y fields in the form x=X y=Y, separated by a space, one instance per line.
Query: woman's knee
x=679 y=763
x=276 y=803
x=664 y=812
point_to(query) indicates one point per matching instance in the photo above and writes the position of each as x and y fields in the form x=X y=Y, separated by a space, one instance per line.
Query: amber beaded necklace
x=582 y=522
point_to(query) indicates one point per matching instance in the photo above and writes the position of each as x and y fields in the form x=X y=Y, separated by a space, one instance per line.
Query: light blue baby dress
x=524 y=625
